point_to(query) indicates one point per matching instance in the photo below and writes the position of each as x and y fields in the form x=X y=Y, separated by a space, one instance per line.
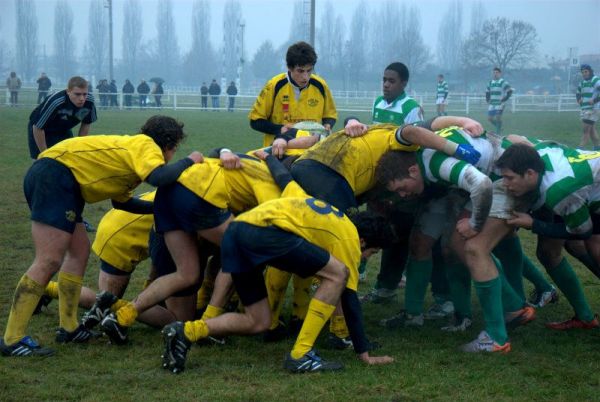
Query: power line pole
x=110 y=38
x=312 y=23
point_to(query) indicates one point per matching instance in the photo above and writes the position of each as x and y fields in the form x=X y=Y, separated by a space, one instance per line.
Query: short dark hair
x=401 y=69
x=374 y=229
x=497 y=69
x=77 y=82
x=519 y=158
x=300 y=54
x=587 y=67
x=166 y=132
x=394 y=165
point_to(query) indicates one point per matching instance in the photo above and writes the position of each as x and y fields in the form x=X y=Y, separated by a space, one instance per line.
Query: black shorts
x=52 y=138
x=246 y=248
x=163 y=262
x=324 y=183
x=547 y=215
x=178 y=208
x=53 y=195
x=112 y=270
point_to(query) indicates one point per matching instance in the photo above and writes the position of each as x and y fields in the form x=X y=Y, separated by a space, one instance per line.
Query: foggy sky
x=560 y=23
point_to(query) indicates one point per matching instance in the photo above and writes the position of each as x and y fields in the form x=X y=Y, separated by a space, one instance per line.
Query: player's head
x=586 y=71
x=77 y=90
x=520 y=166
x=497 y=72
x=166 y=132
x=440 y=77
x=374 y=231
x=399 y=172
x=301 y=59
x=395 y=78
x=13 y=74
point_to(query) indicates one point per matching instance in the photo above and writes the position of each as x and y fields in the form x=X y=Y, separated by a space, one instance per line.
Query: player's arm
x=479 y=187
x=167 y=174
x=487 y=95
x=470 y=126
x=509 y=92
x=557 y=230
x=135 y=206
x=280 y=174
x=39 y=136
x=84 y=129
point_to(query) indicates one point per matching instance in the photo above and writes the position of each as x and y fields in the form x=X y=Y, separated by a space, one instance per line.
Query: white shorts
x=592 y=115
x=441 y=101
x=503 y=204
x=437 y=218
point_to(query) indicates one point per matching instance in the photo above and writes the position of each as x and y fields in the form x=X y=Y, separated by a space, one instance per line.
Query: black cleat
x=100 y=309
x=116 y=332
x=309 y=363
x=176 y=347
x=25 y=347
x=80 y=335
x=45 y=300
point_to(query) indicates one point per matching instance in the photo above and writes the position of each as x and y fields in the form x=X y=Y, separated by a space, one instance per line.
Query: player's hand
x=261 y=154
x=520 y=219
x=467 y=153
x=229 y=160
x=463 y=227
x=196 y=156
x=355 y=128
x=373 y=360
x=472 y=127
x=279 y=146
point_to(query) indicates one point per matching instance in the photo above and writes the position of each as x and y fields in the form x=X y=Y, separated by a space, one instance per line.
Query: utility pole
x=108 y=5
x=312 y=23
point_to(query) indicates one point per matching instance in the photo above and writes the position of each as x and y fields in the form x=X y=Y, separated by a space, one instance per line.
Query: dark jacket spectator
x=204 y=95
x=44 y=85
x=214 y=90
x=232 y=92
x=143 y=90
x=128 y=89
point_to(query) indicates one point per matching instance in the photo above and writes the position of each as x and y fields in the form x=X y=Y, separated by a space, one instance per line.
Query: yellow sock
x=195 y=330
x=212 y=312
x=337 y=326
x=302 y=288
x=276 y=282
x=52 y=289
x=318 y=314
x=69 y=290
x=204 y=293
x=27 y=295
x=118 y=304
x=126 y=315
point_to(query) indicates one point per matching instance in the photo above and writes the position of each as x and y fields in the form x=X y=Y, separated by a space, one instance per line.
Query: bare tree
x=167 y=50
x=299 y=24
x=502 y=43
x=477 y=16
x=64 y=40
x=356 y=57
x=413 y=51
x=330 y=42
x=201 y=57
x=450 y=37
x=232 y=51
x=96 y=46
x=386 y=33
x=265 y=63
x=27 y=28
x=132 y=37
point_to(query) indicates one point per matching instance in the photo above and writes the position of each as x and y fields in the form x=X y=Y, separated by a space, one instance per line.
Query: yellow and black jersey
x=122 y=237
x=234 y=189
x=315 y=221
x=278 y=104
x=356 y=158
x=108 y=166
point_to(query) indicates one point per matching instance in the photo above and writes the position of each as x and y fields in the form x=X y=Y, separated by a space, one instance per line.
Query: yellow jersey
x=235 y=189
x=108 y=166
x=122 y=237
x=315 y=221
x=356 y=158
x=278 y=104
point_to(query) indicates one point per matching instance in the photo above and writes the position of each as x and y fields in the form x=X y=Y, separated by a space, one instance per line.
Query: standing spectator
x=143 y=90
x=158 y=91
x=588 y=97
x=51 y=122
x=441 y=96
x=214 y=90
x=497 y=93
x=103 y=89
x=112 y=88
x=232 y=92
x=13 y=83
x=128 y=90
x=204 y=95
x=44 y=85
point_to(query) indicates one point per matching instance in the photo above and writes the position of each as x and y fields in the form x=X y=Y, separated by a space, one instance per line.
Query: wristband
x=450 y=148
x=224 y=150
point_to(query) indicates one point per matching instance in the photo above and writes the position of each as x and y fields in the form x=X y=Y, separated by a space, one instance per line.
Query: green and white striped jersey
x=442 y=89
x=589 y=91
x=570 y=185
x=497 y=90
x=403 y=110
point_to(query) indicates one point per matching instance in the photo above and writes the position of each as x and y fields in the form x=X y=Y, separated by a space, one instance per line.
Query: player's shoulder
x=276 y=80
x=319 y=79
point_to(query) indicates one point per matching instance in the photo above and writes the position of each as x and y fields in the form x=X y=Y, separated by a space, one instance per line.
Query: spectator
x=44 y=85
x=128 y=90
x=214 y=90
x=112 y=88
x=143 y=90
x=103 y=89
x=204 y=95
x=158 y=91
x=13 y=83
x=232 y=92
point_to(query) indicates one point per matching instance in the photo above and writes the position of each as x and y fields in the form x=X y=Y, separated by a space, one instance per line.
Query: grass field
x=543 y=365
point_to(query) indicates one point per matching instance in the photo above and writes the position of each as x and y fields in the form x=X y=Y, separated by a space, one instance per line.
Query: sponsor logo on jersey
x=313 y=102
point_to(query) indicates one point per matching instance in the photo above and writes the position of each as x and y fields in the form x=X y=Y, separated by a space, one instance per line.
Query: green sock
x=511 y=301
x=490 y=298
x=418 y=274
x=459 y=281
x=535 y=276
x=566 y=280
x=510 y=254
